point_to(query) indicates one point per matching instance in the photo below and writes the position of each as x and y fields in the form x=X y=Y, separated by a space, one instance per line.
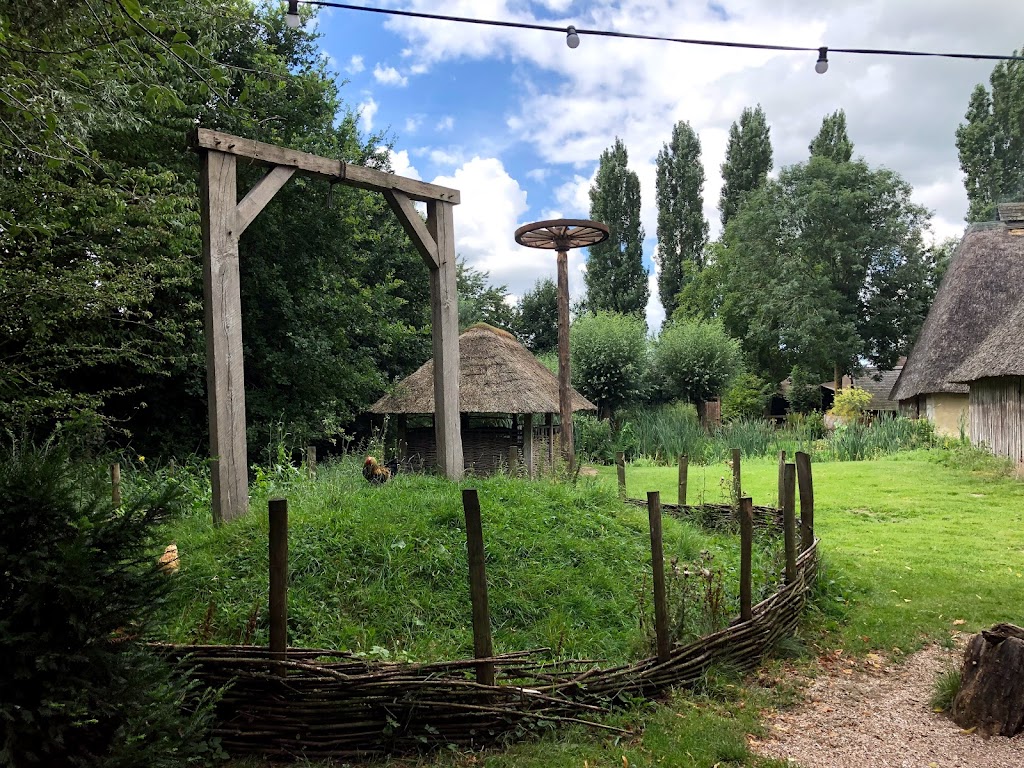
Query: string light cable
x=573 y=35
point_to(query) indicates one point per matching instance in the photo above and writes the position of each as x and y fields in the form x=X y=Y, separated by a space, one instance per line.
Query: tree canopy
x=616 y=279
x=832 y=140
x=748 y=159
x=696 y=360
x=682 y=229
x=481 y=302
x=538 y=317
x=609 y=358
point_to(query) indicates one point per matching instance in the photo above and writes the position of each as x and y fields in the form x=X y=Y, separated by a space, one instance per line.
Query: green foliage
x=748 y=159
x=695 y=360
x=615 y=277
x=481 y=302
x=991 y=142
x=664 y=432
x=537 y=322
x=79 y=593
x=592 y=438
x=746 y=398
x=857 y=441
x=944 y=689
x=701 y=295
x=608 y=358
x=682 y=229
x=850 y=403
x=804 y=394
x=832 y=140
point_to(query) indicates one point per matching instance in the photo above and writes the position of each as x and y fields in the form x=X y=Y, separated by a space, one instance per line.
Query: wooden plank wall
x=997 y=415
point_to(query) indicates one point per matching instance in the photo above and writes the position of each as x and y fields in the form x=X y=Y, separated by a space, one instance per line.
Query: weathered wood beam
x=321 y=167
x=222 y=304
x=261 y=194
x=444 y=303
x=414 y=226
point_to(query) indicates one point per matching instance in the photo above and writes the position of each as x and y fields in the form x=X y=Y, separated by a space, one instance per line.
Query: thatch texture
x=497 y=374
x=1011 y=213
x=1000 y=354
x=985 y=280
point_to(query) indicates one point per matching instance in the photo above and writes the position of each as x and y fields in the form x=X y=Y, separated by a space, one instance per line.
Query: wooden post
x=620 y=470
x=222 y=304
x=803 y=474
x=311 y=461
x=658 y=568
x=746 y=558
x=549 y=422
x=444 y=302
x=684 y=465
x=278 y=509
x=789 y=522
x=737 y=489
x=115 y=483
x=513 y=460
x=564 y=367
x=782 y=478
x=403 y=444
x=528 y=445
x=482 y=647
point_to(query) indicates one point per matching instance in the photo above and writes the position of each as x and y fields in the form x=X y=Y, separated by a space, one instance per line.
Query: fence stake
x=803 y=474
x=789 y=522
x=782 y=478
x=278 y=509
x=482 y=646
x=684 y=465
x=620 y=468
x=115 y=483
x=513 y=461
x=746 y=555
x=737 y=489
x=311 y=461
x=658 y=566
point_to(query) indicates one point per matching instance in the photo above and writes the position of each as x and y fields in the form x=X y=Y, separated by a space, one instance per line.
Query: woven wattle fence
x=320 y=703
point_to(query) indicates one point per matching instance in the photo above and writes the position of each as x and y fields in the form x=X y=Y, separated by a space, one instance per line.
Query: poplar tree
x=682 y=229
x=616 y=279
x=991 y=142
x=748 y=159
x=832 y=140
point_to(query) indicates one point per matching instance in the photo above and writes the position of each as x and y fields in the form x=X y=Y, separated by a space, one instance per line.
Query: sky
x=516 y=120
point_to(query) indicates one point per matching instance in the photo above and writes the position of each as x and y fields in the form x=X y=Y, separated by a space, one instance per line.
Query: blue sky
x=517 y=121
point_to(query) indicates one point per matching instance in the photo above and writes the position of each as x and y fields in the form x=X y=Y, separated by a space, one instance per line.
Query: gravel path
x=870 y=713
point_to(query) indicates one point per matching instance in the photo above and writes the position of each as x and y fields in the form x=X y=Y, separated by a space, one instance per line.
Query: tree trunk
x=991 y=696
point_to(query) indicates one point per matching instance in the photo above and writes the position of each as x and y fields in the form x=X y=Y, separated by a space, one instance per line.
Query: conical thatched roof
x=497 y=375
x=1001 y=354
x=984 y=282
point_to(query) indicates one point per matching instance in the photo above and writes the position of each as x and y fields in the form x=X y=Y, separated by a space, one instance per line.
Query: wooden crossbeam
x=414 y=226
x=321 y=167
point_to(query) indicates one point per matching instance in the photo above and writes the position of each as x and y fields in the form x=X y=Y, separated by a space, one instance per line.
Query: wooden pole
x=803 y=474
x=782 y=478
x=789 y=522
x=620 y=470
x=737 y=489
x=564 y=367
x=403 y=443
x=549 y=422
x=684 y=465
x=482 y=646
x=311 y=460
x=658 y=567
x=115 y=483
x=278 y=509
x=528 y=445
x=746 y=558
x=513 y=460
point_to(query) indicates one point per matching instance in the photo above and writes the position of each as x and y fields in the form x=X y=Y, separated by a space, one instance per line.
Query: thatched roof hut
x=985 y=280
x=498 y=377
x=1000 y=354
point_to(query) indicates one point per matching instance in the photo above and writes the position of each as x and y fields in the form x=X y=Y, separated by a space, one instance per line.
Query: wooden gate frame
x=224 y=219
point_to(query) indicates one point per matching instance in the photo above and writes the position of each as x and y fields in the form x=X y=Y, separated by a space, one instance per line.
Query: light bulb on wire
x=571 y=38
x=821 y=66
x=292 y=17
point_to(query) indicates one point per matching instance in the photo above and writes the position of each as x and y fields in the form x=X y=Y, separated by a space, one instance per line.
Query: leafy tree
x=850 y=404
x=748 y=159
x=682 y=229
x=826 y=266
x=832 y=140
x=481 y=302
x=940 y=254
x=608 y=358
x=804 y=393
x=991 y=143
x=701 y=296
x=746 y=398
x=696 y=360
x=616 y=279
x=538 y=317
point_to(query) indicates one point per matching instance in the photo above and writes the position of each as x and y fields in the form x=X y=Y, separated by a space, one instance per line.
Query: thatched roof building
x=880 y=384
x=499 y=379
x=985 y=280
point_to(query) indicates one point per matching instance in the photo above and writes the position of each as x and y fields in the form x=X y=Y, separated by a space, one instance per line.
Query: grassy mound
x=382 y=570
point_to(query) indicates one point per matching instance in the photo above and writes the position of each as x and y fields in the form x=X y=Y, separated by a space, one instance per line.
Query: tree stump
x=991 y=696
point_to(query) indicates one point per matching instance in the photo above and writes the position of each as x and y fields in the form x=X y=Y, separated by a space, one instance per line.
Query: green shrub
x=945 y=689
x=746 y=398
x=79 y=592
x=849 y=404
x=609 y=357
x=663 y=432
x=592 y=438
x=695 y=360
x=804 y=394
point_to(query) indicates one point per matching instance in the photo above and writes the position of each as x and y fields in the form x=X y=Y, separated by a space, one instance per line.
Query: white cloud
x=355 y=65
x=367 y=109
x=446 y=123
x=413 y=123
x=389 y=76
x=401 y=165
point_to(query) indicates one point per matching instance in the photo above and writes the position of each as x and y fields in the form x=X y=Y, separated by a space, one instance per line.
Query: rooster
x=377 y=474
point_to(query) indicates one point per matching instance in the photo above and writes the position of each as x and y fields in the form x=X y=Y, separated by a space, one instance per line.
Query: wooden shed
x=984 y=283
x=995 y=375
x=507 y=400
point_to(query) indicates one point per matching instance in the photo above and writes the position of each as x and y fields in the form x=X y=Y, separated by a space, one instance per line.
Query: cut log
x=991 y=697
